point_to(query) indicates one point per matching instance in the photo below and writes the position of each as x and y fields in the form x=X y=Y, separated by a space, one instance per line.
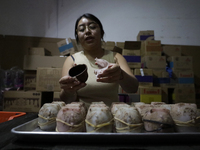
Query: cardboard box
x=144 y=77
x=109 y=45
x=117 y=49
x=184 y=74
x=123 y=98
x=152 y=43
x=32 y=62
x=132 y=45
x=39 y=51
x=184 y=95
x=145 y=35
x=186 y=85
x=151 y=48
x=68 y=47
x=127 y=52
x=154 y=62
x=128 y=97
x=120 y=44
x=197 y=91
x=121 y=91
x=56 y=96
x=30 y=80
x=160 y=81
x=180 y=63
x=131 y=53
x=160 y=73
x=185 y=77
x=160 y=77
x=18 y=46
x=143 y=72
x=133 y=61
x=170 y=85
x=29 y=101
x=48 y=79
x=150 y=94
x=145 y=81
x=134 y=97
x=151 y=90
x=172 y=50
x=131 y=58
x=165 y=95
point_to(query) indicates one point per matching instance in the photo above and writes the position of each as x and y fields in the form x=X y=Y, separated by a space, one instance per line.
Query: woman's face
x=89 y=33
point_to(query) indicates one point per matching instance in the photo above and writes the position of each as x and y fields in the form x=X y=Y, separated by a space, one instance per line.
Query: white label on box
x=67 y=41
x=142 y=72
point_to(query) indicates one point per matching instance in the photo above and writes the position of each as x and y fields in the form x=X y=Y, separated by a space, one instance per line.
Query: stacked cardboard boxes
x=47 y=79
x=161 y=67
x=117 y=49
x=144 y=76
x=132 y=97
x=184 y=95
x=39 y=51
x=184 y=78
x=181 y=75
x=150 y=94
x=160 y=77
x=109 y=45
x=169 y=50
x=145 y=35
x=56 y=96
x=68 y=47
x=41 y=77
x=144 y=58
x=131 y=53
x=151 y=48
x=152 y=59
x=120 y=44
x=30 y=80
x=26 y=101
x=180 y=63
x=45 y=71
x=112 y=46
x=197 y=91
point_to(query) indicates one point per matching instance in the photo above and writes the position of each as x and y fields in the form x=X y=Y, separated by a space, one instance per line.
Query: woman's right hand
x=70 y=84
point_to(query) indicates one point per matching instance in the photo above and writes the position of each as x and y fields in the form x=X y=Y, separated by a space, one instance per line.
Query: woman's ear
x=102 y=34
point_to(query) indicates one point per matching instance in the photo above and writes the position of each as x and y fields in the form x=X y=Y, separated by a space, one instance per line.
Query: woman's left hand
x=110 y=74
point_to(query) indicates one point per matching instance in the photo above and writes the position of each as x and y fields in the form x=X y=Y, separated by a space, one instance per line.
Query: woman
x=104 y=87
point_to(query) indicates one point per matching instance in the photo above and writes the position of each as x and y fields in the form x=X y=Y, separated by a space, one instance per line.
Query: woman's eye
x=92 y=27
x=81 y=29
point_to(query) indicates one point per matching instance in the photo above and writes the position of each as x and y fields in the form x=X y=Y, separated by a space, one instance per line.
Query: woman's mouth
x=88 y=39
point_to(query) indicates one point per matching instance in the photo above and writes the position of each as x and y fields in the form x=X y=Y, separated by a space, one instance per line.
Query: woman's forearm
x=128 y=83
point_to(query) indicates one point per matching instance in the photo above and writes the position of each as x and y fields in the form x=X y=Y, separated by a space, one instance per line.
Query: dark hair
x=92 y=17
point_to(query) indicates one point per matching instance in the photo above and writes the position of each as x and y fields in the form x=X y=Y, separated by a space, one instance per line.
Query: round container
x=79 y=72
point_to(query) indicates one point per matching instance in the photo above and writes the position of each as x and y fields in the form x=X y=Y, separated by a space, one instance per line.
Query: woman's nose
x=87 y=29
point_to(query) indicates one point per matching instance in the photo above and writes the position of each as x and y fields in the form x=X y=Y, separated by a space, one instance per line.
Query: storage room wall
x=174 y=22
